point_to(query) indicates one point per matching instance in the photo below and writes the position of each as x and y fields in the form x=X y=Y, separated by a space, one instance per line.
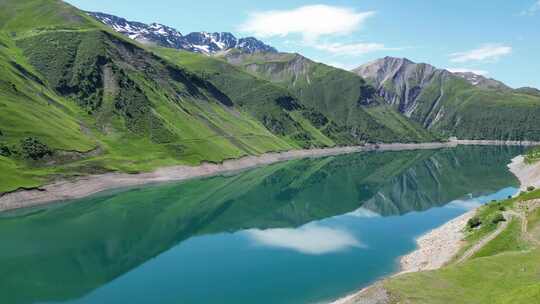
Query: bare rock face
x=400 y=81
x=424 y=93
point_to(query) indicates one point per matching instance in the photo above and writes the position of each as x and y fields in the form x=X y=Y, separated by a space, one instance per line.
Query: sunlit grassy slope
x=100 y=102
x=505 y=270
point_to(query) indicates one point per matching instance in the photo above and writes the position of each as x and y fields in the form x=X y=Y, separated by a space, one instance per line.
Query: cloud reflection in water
x=309 y=239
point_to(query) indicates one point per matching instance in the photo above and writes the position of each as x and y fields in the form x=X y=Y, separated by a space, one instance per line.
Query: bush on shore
x=474 y=222
x=33 y=149
x=499 y=217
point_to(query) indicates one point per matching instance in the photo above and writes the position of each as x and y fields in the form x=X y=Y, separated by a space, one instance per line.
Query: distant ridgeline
x=85 y=93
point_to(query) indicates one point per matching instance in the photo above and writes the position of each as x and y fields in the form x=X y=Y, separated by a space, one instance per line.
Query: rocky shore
x=528 y=174
x=437 y=247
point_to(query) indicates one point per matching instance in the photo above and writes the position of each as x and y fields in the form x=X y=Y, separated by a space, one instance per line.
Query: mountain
x=528 y=91
x=344 y=97
x=198 y=42
x=79 y=98
x=482 y=81
x=353 y=122
x=454 y=105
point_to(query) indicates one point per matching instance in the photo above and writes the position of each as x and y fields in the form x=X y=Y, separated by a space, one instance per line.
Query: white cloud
x=309 y=239
x=465 y=70
x=486 y=52
x=353 y=49
x=310 y=21
x=532 y=10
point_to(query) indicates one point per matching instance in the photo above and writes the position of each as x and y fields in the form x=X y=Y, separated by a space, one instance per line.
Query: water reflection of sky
x=309 y=264
x=345 y=232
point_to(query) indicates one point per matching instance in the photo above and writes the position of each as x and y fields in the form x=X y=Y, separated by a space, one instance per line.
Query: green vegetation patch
x=504 y=271
x=487 y=280
x=509 y=240
x=533 y=155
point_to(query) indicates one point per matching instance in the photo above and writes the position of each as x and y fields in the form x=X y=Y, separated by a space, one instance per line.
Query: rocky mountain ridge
x=465 y=105
x=198 y=42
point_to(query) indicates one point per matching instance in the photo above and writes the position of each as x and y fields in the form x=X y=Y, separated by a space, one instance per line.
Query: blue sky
x=499 y=38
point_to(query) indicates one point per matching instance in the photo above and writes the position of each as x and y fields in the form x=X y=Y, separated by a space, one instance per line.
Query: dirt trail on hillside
x=508 y=215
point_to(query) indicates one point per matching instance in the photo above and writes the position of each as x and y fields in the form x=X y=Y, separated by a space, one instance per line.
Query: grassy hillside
x=504 y=271
x=341 y=95
x=262 y=99
x=78 y=98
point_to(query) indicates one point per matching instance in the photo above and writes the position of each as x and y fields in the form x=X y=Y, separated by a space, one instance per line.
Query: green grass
x=11 y=177
x=21 y=16
x=76 y=86
x=199 y=129
x=486 y=214
x=509 y=240
x=532 y=156
x=504 y=271
x=486 y=280
x=256 y=96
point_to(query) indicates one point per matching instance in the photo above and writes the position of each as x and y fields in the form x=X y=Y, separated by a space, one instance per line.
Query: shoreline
x=434 y=249
x=437 y=247
x=527 y=174
x=87 y=185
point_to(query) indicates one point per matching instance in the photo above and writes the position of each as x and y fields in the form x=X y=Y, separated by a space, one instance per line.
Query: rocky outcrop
x=400 y=81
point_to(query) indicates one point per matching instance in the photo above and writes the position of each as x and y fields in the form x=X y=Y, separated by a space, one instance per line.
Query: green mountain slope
x=80 y=98
x=451 y=105
x=262 y=99
x=343 y=96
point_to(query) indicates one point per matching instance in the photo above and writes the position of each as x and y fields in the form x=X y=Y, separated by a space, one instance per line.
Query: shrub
x=474 y=222
x=530 y=188
x=4 y=150
x=498 y=218
x=32 y=148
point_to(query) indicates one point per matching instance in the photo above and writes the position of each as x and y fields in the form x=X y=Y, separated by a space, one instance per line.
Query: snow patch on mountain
x=198 y=42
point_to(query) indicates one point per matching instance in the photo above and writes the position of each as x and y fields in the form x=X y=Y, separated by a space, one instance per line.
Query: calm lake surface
x=303 y=231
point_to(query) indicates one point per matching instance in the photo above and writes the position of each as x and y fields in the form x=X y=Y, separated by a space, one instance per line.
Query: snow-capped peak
x=199 y=42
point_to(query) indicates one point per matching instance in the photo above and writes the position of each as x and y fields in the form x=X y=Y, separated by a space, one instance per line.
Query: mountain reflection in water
x=64 y=252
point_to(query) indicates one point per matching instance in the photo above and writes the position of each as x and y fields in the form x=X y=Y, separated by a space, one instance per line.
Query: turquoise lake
x=302 y=231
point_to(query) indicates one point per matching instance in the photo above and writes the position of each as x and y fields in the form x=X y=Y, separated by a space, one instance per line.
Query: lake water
x=303 y=231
